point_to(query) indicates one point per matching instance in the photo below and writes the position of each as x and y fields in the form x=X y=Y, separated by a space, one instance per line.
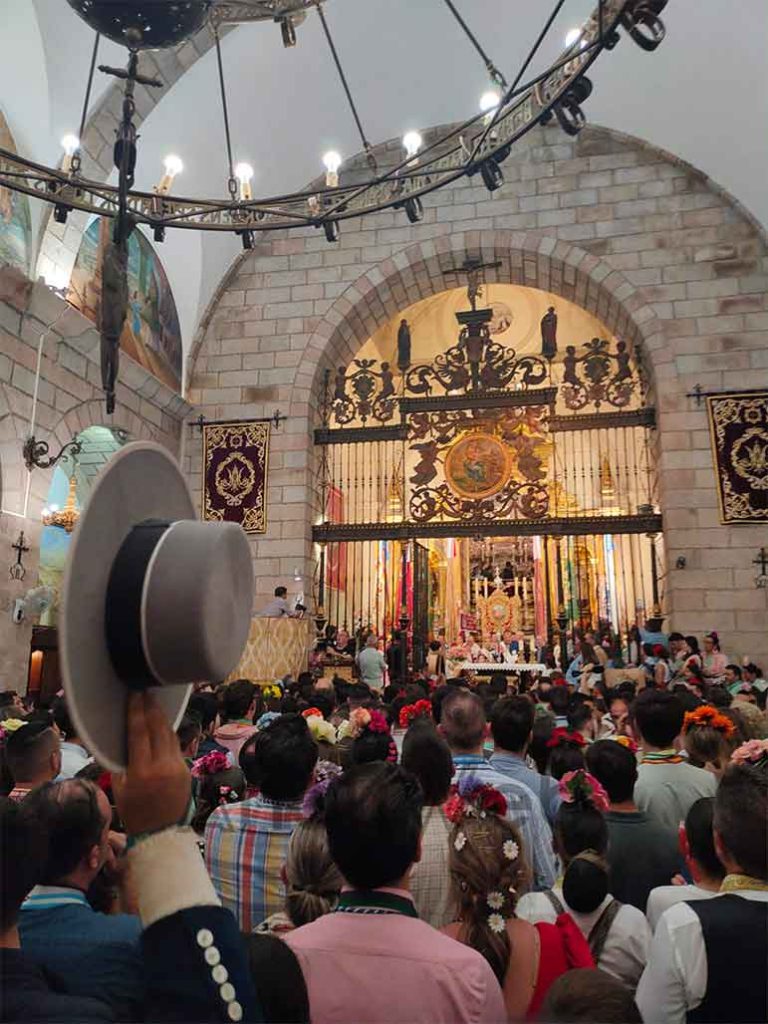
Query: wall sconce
x=681 y=562
x=761 y=580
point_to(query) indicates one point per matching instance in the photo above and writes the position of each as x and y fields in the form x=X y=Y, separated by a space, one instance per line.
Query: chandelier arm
x=511 y=90
x=224 y=108
x=494 y=72
x=345 y=85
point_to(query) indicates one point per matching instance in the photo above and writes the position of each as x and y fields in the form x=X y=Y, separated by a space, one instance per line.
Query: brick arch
x=77 y=419
x=527 y=258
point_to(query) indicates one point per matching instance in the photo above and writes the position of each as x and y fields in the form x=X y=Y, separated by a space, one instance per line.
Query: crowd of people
x=439 y=850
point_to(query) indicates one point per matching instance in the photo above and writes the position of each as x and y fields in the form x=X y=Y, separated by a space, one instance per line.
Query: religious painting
x=477 y=466
x=739 y=430
x=151 y=334
x=235 y=462
x=15 y=220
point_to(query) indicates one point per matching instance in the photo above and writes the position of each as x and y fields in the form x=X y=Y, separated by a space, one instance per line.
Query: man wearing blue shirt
x=512 y=729
x=98 y=955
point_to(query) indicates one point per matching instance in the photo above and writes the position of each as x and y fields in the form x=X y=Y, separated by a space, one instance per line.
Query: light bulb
x=173 y=166
x=244 y=173
x=572 y=36
x=332 y=162
x=54 y=508
x=412 y=143
x=489 y=101
x=70 y=144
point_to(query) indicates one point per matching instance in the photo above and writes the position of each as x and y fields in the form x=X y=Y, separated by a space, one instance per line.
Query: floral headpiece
x=475 y=799
x=267 y=719
x=314 y=798
x=709 y=717
x=312 y=713
x=272 y=690
x=561 y=737
x=320 y=729
x=368 y=720
x=754 y=752
x=421 y=709
x=211 y=764
x=626 y=741
x=228 y=795
x=579 y=786
x=10 y=725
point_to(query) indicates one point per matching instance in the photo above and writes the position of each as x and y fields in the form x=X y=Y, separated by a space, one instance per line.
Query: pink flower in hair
x=751 y=752
x=580 y=786
x=211 y=764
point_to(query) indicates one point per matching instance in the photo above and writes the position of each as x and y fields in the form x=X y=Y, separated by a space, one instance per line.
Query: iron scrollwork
x=598 y=375
x=524 y=499
x=372 y=393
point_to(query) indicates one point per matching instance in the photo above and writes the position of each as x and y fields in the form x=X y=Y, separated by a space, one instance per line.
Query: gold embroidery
x=235 y=463
x=739 y=432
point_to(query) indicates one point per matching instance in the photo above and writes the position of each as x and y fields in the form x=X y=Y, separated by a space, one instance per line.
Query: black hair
x=370 y=746
x=687 y=697
x=565 y=757
x=323 y=703
x=512 y=721
x=427 y=756
x=237 y=699
x=277 y=974
x=543 y=724
x=580 y=828
x=206 y=707
x=585 y=883
x=741 y=817
x=693 y=644
x=27 y=748
x=735 y=669
x=558 y=699
x=674 y=637
x=69 y=812
x=438 y=696
x=62 y=717
x=281 y=591
x=615 y=768
x=719 y=697
x=658 y=716
x=701 y=841
x=280 y=759
x=24 y=844
x=373 y=818
x=579 y=714
x=435 y=645
x=188 y=728
x=7 y=697
x=210 y=796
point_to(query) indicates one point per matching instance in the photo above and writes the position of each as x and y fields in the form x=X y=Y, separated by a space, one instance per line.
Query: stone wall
x=644 y=241
x=69 y=400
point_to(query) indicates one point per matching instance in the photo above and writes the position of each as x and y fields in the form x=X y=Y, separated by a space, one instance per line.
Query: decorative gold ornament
x=67 y=517
x=478 y=466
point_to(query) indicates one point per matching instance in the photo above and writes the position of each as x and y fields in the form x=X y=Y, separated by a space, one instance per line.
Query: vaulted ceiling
x=701 y=96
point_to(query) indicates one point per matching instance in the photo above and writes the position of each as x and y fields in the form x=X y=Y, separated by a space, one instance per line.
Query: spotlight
x=246 y=237
x=60 y=213
x=572 y=36
x=158 y=233
x=489 y=101
x=288 y=32
x=244 y=173
x=412 y=144
x=413 y=209
x=173 y=166
x=331 y=228
x=491 y=174
x=70 y=144
x=643 y=23
x=332 y=163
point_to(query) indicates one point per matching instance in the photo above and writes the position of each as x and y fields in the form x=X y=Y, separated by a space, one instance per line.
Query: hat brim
x=141 y=481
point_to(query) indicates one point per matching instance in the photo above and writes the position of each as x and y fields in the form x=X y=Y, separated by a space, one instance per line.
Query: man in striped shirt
x=246 y=843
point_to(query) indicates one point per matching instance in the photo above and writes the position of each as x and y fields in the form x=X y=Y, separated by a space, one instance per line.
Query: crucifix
x=17 y=570
x=761 y=579
x=472 y=267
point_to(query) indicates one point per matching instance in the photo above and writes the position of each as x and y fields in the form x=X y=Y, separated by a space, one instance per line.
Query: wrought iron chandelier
x=477 y=146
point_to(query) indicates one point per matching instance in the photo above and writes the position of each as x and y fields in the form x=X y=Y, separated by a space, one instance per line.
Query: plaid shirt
x=245 y=848
x=523 y=809
x=430 y=882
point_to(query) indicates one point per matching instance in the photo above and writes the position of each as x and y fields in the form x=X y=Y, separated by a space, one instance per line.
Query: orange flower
x=709 y=717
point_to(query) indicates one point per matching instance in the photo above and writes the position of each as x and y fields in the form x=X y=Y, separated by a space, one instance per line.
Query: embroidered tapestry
x=235 y=458
x=739 y=428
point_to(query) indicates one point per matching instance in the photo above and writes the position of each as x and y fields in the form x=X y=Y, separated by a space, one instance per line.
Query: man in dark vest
x=709 y=958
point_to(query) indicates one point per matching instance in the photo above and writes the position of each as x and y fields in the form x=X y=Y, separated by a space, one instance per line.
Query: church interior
x=466 y=329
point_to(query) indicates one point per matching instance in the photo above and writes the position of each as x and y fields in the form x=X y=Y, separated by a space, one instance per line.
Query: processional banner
x=235 y=461
x=739 y=430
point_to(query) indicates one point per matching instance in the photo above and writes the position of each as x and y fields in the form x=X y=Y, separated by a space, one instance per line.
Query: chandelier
x=475 y=147
x=65 y=518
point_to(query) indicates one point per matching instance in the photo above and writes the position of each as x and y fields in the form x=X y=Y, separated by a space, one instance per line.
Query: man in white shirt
x=709 y=958
x=278 y=607
x=372 y=664
x=74 y=755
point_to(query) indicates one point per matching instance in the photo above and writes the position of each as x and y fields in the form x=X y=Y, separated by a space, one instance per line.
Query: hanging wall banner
x=235 y=459
x=739 y=429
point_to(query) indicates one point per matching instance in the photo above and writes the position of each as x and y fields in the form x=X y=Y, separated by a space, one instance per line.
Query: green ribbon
x=375 y=901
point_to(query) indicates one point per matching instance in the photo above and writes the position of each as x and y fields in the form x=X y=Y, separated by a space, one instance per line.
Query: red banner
x=235 y=458
x=336 y=565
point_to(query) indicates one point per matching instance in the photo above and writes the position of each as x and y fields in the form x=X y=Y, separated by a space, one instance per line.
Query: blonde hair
x=313 y=880
x=478 y=868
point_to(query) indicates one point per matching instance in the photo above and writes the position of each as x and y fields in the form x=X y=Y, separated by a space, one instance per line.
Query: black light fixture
x=491 y=174
x=414 y=211
x=61 y=212
x=288 y=32
x=246 y=237
x=331 y=228
x=158 y=233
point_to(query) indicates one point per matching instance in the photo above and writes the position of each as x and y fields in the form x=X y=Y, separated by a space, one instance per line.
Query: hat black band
x=122 y=615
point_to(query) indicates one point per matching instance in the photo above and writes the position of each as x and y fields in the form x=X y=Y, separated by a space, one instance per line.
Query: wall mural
x=15 y=220
x=151 y=335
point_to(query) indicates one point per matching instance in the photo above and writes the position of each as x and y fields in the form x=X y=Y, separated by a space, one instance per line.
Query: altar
x=275 y=648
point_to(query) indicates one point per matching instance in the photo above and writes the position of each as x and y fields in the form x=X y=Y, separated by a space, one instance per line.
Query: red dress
x=562 y=948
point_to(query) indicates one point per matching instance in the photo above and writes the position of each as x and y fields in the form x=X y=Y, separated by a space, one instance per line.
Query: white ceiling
x=701 y=95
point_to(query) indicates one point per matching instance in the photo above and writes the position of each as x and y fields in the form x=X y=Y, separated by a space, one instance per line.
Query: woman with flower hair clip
x=708 y=737
x=218 y=784
x=488 y=872
x=566 y=752
x=371 y=738
x=618 y=934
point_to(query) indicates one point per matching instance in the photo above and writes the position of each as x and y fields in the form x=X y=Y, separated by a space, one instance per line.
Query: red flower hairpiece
x=211 y=764
x=474 y=799
x=312 y=713
x=421 y=709
x=580 y=786
x=562 y=737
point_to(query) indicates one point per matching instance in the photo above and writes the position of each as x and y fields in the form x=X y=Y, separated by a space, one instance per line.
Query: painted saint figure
x=403 y=346
x=549 y=334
